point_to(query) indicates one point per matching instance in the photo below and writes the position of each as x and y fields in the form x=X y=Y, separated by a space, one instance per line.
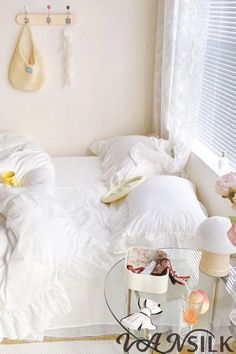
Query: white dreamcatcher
x=68 y=50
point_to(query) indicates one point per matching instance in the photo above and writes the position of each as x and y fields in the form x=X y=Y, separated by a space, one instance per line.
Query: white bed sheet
x=79 y=186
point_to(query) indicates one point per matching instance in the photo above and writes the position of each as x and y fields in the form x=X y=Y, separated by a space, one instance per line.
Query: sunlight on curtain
x=180 y=53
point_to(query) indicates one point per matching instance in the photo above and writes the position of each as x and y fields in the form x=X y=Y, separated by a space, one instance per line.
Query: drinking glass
x=191 y=307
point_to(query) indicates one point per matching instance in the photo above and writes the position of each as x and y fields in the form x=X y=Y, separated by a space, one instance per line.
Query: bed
x=79 y=186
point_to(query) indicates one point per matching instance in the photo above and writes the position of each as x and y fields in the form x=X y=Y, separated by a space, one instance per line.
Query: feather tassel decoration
x=68 y=52
x=68 y=55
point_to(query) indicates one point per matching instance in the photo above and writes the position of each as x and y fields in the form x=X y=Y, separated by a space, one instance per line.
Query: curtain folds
x=179 y=64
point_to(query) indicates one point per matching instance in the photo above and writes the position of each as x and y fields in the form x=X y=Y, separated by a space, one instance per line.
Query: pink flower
x=230 y=179
x=232 y=234
x=222 y=188
x=225 y=183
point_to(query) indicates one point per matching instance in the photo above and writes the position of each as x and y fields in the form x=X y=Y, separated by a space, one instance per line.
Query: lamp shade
x=212 y=234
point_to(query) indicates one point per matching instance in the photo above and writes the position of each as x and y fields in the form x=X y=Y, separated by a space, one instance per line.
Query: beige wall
x=205 y=178
x=112 y=91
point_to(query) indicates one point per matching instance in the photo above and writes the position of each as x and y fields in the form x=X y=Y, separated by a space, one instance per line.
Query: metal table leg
x=128 y=306
x=148 y=335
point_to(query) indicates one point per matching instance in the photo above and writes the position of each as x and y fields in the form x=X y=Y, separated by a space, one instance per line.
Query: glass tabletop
x=220 y=291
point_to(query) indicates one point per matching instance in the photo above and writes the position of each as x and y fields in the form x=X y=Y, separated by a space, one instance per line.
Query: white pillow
x=162 y=212
x=121 y=161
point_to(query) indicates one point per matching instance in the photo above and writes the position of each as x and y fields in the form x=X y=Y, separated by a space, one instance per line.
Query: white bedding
x=33 y=226
x=38 y=242
x=79 y=187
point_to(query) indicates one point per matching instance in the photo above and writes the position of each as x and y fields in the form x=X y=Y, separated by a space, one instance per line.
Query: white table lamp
x=216 y=247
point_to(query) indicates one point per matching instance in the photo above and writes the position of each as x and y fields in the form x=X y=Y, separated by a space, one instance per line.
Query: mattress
x=79 y=186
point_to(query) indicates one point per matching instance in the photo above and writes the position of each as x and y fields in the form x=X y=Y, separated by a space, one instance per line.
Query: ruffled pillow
x=162 y=212
x=129 y=156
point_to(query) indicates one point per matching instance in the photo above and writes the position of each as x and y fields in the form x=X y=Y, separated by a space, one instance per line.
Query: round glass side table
x=221 y=293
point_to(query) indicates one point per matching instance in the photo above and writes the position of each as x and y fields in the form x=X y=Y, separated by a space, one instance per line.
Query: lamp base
x=214 y=264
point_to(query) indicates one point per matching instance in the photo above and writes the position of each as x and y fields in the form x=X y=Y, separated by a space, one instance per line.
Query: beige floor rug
x=61 y=339
x=68 y=347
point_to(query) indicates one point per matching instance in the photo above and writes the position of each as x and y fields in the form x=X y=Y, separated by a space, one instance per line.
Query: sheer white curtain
x=180 y=52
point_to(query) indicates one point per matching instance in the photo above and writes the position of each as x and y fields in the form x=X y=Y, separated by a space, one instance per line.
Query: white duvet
x=47 y=268
x=38 y=242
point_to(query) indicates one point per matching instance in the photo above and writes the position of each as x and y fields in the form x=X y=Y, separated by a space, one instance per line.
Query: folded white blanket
x=38 y=243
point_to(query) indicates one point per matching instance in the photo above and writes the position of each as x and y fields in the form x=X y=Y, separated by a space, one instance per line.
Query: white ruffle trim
x=36 y=316
x=138 y=233
x=121 y=243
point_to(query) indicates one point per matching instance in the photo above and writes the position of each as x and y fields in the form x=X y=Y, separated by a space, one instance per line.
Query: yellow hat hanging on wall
x=27 y=73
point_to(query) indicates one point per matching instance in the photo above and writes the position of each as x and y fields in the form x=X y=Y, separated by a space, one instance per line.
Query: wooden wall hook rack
x=42 y=19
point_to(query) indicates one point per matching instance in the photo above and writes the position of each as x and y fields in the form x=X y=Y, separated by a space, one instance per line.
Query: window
x=217 y=120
